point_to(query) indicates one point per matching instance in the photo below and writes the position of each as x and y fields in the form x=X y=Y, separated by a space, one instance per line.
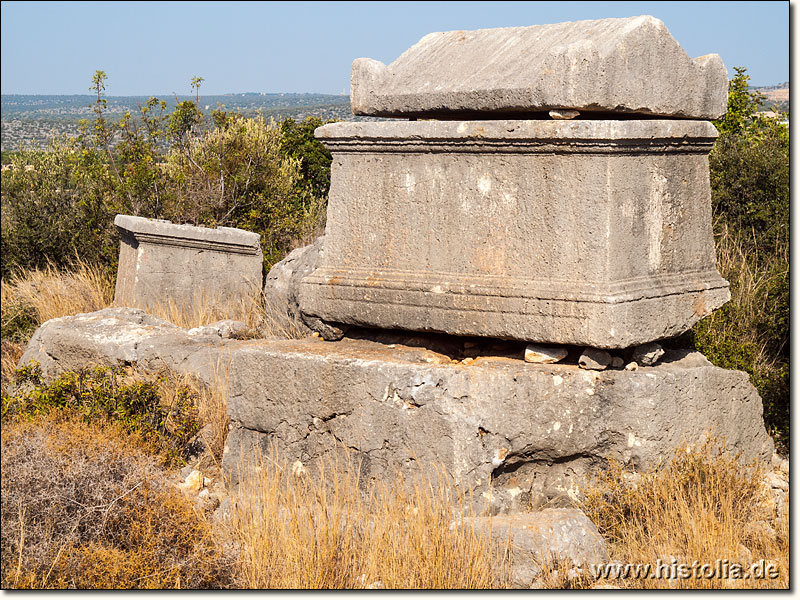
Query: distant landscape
x=30 y=120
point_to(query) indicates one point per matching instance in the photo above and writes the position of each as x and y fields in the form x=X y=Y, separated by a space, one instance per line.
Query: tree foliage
x=749 y=168
x=315 y=160
x=234 y=171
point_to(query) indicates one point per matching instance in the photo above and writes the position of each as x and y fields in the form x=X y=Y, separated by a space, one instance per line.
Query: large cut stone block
x=160 y=261
x=592 y=233
x=533 y=430
x=628 y=65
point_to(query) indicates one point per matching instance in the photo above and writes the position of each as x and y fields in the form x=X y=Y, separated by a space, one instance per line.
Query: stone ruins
x=499 y=276
x=594 y=230
x=549 y=185
x=160 y=261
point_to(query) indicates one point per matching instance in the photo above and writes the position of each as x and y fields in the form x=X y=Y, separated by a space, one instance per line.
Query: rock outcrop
x=515 y=433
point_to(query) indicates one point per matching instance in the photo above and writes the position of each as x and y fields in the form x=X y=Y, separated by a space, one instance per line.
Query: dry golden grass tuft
x=208 y=399
x=321 y=532
x=261 y=320
x=10 y=353
x=752 y=279
x=208 y=308
x=703 y=505
x=31 y=297
x=85 y=506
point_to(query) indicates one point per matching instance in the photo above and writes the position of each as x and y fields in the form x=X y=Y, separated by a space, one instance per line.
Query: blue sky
x=154 y=48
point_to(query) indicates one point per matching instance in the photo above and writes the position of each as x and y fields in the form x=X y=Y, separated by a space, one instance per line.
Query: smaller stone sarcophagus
x=161 y=262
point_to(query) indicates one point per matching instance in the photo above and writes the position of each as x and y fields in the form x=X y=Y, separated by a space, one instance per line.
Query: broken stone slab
x=281 y=294
x=622 y=66
x=539 y=353
x=647 y=354
x=160 y=262
x=514 y=433
x=542 y=540
x=227 y=328
x=282 y=283
x=120 y=337
x=590 y=233
x=780 y=463
x=594 y=359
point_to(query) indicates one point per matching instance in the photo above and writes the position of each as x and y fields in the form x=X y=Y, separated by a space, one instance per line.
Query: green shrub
x=298 y=141
x=238 y=172
x=54 y=210
x=749 y=168
x=99 y=394
x=236 y=175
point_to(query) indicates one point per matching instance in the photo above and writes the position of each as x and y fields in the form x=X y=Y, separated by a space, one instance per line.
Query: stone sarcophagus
x=160 y=263
x=584 y=225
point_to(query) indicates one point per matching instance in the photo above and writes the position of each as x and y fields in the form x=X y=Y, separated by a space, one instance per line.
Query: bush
x=236 y=175
x=315 y=159
x=100 y=394
x=53 y=212
x=83 y=506
x=248 y=173
x=750 y=198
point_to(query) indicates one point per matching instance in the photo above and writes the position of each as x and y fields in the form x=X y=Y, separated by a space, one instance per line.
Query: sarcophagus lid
x=620 y=66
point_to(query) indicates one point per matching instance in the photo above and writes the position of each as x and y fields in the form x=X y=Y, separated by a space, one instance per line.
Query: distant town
x=29 y=121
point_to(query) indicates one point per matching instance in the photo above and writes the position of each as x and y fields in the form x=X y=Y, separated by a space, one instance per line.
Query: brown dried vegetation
x=85 y=506
x=702 y=505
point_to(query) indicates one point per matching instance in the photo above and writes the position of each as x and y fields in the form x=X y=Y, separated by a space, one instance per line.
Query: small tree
x=749 y=168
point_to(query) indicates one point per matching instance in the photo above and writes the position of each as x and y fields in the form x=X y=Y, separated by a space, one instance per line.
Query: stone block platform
x=513 y=432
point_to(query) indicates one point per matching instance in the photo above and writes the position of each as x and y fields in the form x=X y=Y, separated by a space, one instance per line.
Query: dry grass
x=294 y=532
x=261 y=320
x=10 y=353
x=752 y=279
x=38 y=295
x=209 y=401
x=207 y=308
x=29 y=298
x=298 y=531
x=85 y=506
x=701 y=506
x=750 y=333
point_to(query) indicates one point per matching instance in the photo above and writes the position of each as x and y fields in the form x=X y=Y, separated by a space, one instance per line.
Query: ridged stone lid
x=629 y=66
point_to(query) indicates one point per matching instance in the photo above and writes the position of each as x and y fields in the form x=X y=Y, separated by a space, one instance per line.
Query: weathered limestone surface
x=535 y=429
x=127 y=336
x=628 y=65
x=594 y=233
x=160 y=262
x=282 y=290
x=541 y=540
